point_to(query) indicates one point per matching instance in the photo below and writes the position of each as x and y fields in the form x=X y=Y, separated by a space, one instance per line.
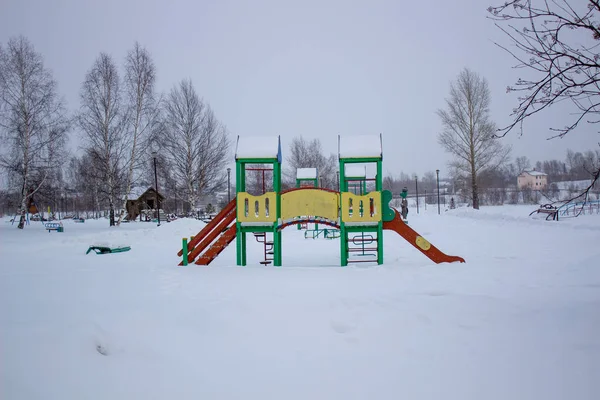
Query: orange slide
x=219 y=228
x=420 y=243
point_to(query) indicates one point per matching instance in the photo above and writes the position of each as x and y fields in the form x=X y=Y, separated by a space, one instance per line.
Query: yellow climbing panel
x=361 y=209
x=256 y=208
x=309 y=202
x=422 y=243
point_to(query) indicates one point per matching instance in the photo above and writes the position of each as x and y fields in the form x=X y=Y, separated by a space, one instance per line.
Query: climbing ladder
x=358 y=247
x=261 y=237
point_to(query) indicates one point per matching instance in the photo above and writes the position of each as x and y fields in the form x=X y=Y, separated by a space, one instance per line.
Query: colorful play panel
x=357 y=214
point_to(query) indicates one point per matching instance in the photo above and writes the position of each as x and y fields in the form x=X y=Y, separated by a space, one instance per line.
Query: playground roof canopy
x=258 y=147
x=306 y=173
x=360 y=146
x=355 y=171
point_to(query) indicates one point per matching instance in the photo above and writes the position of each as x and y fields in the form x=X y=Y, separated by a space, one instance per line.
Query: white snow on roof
x=535 y=173
x=136 y=192
x=360 y=146
x=306 y=173
x=257 y=147
x=355 y=171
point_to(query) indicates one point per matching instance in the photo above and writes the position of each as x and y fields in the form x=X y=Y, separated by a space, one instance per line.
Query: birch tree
x=102 y=120
x=33 y=123
x=194 y=143
x=468 y=133
x=142 y=105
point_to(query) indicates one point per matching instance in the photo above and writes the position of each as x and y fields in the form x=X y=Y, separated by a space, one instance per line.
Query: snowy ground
x=519 y=320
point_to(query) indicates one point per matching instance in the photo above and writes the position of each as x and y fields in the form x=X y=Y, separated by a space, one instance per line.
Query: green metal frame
x=387 y=213
x=345 y=230
x=241 y=231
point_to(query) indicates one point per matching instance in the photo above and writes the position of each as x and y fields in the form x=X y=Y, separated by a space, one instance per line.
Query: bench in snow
x=550 y=210
x=54 y=226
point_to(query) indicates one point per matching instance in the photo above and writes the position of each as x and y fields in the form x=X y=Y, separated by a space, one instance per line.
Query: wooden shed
x=144 y=201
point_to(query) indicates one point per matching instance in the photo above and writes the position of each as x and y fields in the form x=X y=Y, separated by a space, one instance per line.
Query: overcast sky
x=315 y=68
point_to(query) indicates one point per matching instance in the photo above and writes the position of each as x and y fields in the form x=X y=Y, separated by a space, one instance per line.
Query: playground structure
x=359 y=211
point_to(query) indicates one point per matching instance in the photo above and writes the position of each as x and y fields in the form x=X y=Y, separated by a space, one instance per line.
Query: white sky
x=313 y=68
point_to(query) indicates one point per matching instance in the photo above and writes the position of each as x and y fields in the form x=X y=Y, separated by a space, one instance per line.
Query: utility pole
x=437 y=171
x=417 y=191
x=228 y=185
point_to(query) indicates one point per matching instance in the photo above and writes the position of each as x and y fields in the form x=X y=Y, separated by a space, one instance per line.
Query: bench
x=54 y=226
x=549 y=209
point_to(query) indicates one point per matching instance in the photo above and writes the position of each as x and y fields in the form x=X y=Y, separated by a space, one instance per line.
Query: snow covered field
x=519 y=320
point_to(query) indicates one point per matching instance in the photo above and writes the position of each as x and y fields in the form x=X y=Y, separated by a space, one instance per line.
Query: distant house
x=139 y=201
x=532 y=179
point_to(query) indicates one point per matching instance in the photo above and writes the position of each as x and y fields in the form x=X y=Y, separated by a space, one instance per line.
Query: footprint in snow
x=437 y=293
x=342 y=327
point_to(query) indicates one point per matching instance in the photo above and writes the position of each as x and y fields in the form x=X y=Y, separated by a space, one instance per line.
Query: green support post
x=185 y=251
x=244 y=246
x=379 y=188
x=240 y=235
x=343 y=245
x=277 y=259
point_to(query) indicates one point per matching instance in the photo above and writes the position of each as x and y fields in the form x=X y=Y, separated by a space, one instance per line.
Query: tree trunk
x=474 y=188
x=111 y=200
x=24 y=191
x=23 y=209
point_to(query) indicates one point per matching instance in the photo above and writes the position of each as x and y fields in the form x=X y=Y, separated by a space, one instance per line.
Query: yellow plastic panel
x=422 y=243
x=257 y=208
x=351 y=207
x=309 y=202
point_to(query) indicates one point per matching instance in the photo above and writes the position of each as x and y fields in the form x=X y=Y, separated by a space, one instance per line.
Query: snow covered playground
x=364 y=306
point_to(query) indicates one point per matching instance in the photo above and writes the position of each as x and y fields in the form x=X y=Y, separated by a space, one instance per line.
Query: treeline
x=123 y=125
x=499 y=185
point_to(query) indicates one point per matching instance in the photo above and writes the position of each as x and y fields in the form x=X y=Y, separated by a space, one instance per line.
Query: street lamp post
x=337 y=176
x=437 y=171
x=417 y=192
x=228 y=185
x=154 y=153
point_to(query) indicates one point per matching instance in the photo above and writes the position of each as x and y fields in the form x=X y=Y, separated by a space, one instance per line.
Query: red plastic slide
x=418 y=241
x=219 y=228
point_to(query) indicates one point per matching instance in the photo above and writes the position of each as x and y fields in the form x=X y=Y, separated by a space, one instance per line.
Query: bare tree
x=468 y=132
x=143 y=109
x=523 y=163
x=309 y=154
x=558 y=42
x=194 y=143
x=33 y=123
x=103 y=119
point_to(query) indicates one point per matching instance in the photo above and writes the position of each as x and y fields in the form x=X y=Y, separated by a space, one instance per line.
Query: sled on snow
x=107 y=250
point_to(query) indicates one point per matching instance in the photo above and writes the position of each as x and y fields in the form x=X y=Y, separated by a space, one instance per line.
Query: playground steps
x=360 y=241
x=218 y=226
x=268 y=247
x=218 y=246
